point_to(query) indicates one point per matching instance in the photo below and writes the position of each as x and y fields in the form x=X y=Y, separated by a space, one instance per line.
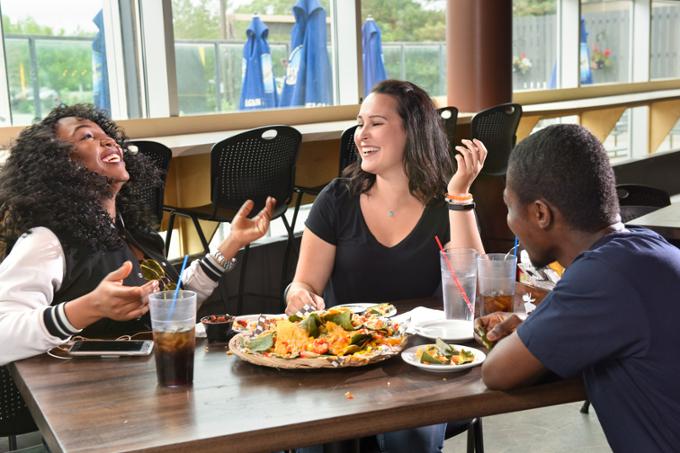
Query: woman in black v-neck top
x=370 y=237
x=365 y=269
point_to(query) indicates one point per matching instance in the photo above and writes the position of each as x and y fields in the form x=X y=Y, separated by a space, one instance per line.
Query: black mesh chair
x=161 y=156
x=14 y=416
x=348 y=155
x=252 y=165
x=637 y=200
x=496 y=127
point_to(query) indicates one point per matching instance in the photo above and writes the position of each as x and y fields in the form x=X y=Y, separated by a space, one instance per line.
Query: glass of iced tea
x=173 y=322
x=496 y=274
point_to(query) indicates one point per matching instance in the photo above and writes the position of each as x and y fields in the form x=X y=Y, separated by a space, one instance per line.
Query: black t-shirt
x=364 y=269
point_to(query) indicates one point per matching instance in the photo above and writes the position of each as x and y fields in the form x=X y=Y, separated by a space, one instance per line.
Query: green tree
x=406 y=20
x=64 y=68
x=196 y=19
x=533 y=7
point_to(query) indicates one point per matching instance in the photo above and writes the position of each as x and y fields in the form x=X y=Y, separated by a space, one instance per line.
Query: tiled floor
x=556 y=429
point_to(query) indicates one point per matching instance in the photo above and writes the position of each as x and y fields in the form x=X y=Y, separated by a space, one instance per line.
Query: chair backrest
x=637 y=200
x=449 y=116
x=496 y=128
x=348 y=149
x=14 y=416
x=253 y=165
x=161 y=156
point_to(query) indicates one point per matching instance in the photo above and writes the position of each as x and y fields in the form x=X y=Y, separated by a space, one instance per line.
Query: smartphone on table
x=111 y=348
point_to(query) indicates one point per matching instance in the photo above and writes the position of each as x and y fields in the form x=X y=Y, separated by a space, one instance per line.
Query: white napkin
x=417 y=316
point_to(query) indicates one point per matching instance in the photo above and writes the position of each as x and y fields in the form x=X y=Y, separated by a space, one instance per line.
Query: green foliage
x=27 y=26
x=533 y=7
x=196 y=19
x=282 y=7
x=406 y=20
x=64 y=68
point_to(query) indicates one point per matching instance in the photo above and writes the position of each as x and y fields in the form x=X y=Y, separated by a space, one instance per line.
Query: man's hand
x=491 y=328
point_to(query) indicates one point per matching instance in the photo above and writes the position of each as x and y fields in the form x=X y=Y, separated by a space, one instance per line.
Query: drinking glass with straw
x=465 y=282
x=173 y=320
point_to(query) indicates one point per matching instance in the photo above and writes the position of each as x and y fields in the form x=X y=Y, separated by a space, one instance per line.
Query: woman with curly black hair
x=74 y=233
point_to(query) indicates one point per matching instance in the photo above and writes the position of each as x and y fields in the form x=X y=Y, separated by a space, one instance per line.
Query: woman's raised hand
x=299 y=295
x=470 y=159
x=245 y=230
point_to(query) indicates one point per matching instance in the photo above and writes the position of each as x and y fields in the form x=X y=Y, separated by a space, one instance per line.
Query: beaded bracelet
x=464 y=197
x=459 y=199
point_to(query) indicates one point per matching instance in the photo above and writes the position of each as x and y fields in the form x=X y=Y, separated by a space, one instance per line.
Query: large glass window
x=606 y=27
x=534 y=45
x=618 y=142
x=413 y=36
x=210 y=36
x=664 y=56
x=672 y=140
x=52 y=57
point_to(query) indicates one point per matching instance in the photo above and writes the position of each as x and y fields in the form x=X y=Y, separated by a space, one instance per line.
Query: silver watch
x=222 y=261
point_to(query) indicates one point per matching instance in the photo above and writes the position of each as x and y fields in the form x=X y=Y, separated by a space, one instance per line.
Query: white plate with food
x=446 y=329
x=436 y=358
x=248 y=323
x=384 y=309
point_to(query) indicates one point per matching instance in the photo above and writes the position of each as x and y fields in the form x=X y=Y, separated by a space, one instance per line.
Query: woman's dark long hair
x=427 y=161
x=40 y=185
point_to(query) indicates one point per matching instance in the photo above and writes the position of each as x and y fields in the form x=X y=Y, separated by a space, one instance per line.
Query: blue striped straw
x=179 y=285
x=514 y=248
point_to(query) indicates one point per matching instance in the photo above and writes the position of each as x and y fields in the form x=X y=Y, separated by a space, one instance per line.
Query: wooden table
x=665 y=221
x=115 y=404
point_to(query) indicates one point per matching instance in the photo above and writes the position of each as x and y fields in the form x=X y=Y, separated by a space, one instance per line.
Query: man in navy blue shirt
x=613 y=318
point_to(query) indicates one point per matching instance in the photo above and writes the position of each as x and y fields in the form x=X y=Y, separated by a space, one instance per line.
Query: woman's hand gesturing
x=470 y=159
x=245 y=230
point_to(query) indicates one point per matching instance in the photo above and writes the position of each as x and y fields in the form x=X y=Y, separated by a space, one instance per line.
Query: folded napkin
x=417 y=316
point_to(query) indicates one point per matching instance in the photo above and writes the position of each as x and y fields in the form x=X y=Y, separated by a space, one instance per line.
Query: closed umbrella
x=374 y=66
x=584 y=61
x=100 y=73
x=258 y=90
x=308 y=75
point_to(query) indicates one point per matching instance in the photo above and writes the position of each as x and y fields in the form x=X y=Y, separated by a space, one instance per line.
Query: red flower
x=607 y=52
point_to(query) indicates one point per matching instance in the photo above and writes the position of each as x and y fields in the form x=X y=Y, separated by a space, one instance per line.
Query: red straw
x=453 y=274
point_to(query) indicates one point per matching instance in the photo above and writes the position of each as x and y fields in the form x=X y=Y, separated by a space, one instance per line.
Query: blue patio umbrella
x=100 y=73
x=258 y=90
x=308 y=75
x=586 y=74
x=374 y=65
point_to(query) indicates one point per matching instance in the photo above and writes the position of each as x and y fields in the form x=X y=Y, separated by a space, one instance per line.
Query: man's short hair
x=568 y=167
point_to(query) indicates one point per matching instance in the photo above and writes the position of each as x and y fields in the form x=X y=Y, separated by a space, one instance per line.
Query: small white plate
x=409 y=356
x=446 y=329
x=360 y=307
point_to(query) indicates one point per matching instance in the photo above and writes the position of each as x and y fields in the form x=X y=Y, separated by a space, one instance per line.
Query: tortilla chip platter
x=334 y=338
